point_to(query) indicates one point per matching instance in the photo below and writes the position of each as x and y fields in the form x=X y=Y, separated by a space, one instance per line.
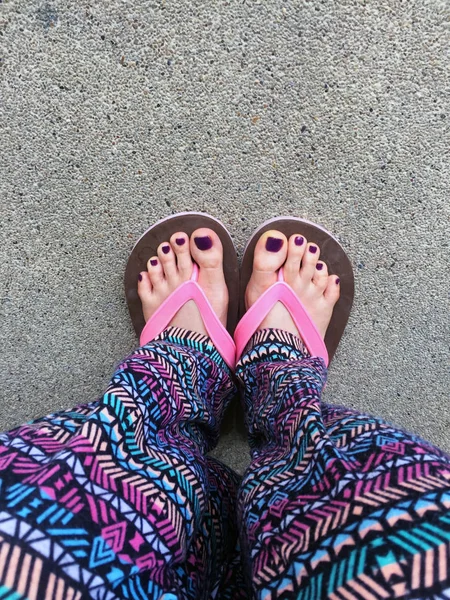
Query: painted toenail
x=313 y=249
x=154 y=262
x=203 y=243
x=337 y=281
x=140 y=277
x=274 y=244
x=299 y=240
x=166 y=249
x=319 y=266
x=180 y=241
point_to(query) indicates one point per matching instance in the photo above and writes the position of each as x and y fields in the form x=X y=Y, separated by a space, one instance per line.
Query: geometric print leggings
x=119 y=499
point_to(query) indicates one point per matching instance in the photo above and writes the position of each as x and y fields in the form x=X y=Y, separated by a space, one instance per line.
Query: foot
x=303 y=271
x=173 y=266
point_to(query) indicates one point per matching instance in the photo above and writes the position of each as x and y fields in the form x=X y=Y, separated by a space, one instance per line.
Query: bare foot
x=173 y=266
x=303 y=271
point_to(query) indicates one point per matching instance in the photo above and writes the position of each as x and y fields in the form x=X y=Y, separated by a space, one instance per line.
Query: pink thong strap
x=190 y=290
x=280 y=292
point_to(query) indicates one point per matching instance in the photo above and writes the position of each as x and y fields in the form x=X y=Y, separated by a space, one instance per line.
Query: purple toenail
x=274 y=244
x=313 y=249
x=154 y=262
x=337 y=281
x=203 y=243
x=319 y=266
x=166 y=249
x=140 y=277
x=180 y=241
x=299 y=240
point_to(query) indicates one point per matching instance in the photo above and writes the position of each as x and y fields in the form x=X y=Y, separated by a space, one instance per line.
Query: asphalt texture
x=116 y=114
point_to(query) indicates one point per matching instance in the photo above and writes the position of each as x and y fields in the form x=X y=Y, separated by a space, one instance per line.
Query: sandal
x=147 y=246
x=337 y=261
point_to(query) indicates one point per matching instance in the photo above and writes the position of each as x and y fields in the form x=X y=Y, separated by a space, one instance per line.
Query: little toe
x=155 y=272
x=167 y=259
x=320 y=276
x=296 y=249
x=309 y=262
x=333 y=289
x=144 y=286
x=180 y=246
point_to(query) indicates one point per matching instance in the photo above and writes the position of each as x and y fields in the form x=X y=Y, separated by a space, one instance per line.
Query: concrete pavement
x=115 y=114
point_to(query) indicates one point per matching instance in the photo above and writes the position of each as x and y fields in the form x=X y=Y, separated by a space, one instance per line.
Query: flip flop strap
x=280 y=292
x=190 y=290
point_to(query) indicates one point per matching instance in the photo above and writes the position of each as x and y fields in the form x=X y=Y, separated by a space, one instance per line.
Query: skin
x=317 y=290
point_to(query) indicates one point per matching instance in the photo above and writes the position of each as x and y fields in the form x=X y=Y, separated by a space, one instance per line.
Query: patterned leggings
x=118 y=499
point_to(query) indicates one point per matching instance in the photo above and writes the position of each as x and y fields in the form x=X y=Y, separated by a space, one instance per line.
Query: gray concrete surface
x=115 y=114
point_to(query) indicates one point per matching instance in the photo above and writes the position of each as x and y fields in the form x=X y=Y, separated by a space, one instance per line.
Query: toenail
x=180 y=241
x=299 y=240
x=337 y=281
x=313 y=249
x=166 y=249
x=274 y=244
x=154 y=262
x=203 y=243
x=319 y=266
x=140 y=277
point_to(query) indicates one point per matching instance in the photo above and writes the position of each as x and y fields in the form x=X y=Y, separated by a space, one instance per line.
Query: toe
x=309 y=262
x=167 y=259
x=206 y=249
x=155 y=272
x=145 y=292
x=296 y=249
x=333 y=289
x=144 y=287
x=320 y=276
x=180 y=246
x=270 y=254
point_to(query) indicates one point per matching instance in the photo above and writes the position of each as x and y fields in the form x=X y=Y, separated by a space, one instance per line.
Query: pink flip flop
x=332 y=253
x=147 y=246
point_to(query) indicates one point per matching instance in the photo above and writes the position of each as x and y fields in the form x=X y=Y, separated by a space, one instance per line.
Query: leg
x=116 y=498
x=335 y=504
x=111 y=498
x=220 y=521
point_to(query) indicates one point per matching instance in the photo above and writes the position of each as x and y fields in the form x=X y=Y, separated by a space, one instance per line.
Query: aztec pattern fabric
x=336 y=504
x=117 y=499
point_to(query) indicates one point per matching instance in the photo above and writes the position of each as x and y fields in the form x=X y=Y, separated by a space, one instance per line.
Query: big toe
x=206 y=249
x=270 y=254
